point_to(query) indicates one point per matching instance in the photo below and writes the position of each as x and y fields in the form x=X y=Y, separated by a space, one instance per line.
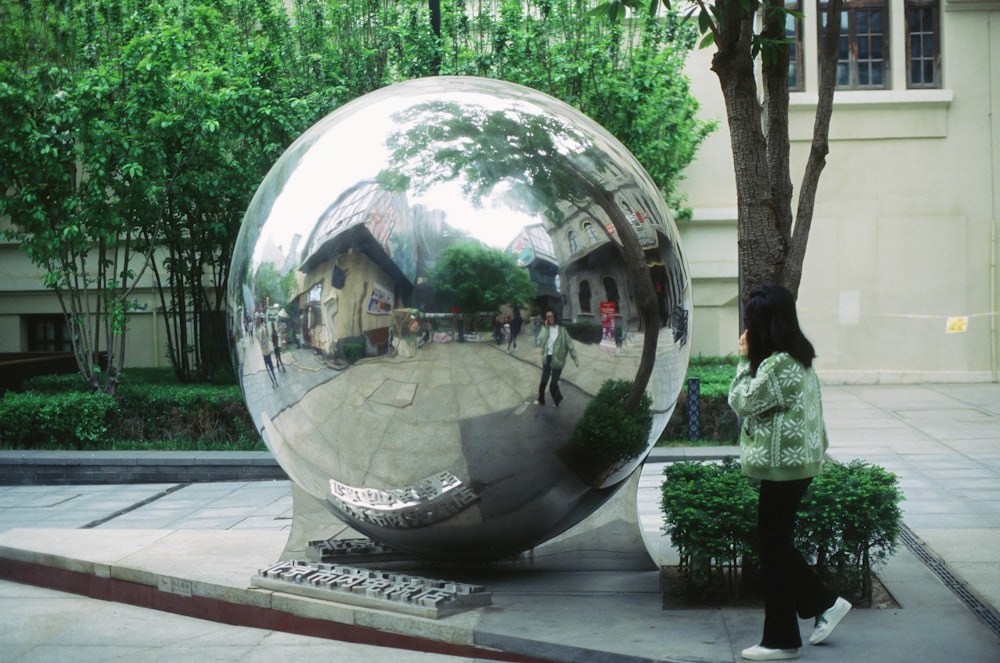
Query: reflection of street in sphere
x=413 y=217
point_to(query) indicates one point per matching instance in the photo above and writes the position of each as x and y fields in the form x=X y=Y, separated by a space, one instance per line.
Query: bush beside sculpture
x=849 y=522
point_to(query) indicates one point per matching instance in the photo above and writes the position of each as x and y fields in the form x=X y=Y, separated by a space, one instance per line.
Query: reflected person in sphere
x=556 y=344
x=276 y=343
x=515 y=328
x=265 y=348
x=782 y=442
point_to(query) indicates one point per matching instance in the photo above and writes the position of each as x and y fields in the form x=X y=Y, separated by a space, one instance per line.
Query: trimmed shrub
x=608 y=430
x=150 y=409
x=710 y=510
x=195 y=413
x=608 y=436
x=70 y=420
x=353 y=351
x=849 y=521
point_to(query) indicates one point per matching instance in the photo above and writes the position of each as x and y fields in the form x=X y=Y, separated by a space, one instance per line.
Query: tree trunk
x=762 y=247
x=772 y=242
x=645 y=293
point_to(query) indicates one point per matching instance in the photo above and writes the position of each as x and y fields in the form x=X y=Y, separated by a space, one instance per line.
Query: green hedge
x=150 y=410
x=71 y=420
x=849 y=522
x=718 y=423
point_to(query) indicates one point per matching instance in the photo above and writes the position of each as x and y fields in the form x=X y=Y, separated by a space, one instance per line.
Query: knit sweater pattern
x=784 y=436
x=562 y=346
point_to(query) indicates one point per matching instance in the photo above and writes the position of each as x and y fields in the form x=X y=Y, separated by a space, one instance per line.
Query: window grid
x=48 y=333
x=862 y=49
x=922 y=45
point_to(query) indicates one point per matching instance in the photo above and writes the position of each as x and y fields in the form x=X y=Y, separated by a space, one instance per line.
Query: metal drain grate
x=986 y=613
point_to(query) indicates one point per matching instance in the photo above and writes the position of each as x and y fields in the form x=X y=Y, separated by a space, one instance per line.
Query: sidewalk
x=194 y=547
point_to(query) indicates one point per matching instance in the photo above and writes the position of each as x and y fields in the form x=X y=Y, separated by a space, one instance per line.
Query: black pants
x=270 y=369
x=554 y=373
x=791 y=587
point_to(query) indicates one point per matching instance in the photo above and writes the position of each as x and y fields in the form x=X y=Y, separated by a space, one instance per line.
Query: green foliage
x=353 y=351
x=135 y=125
x=719 y=424
x=608 y=430
x=478 y=278
x=849 y=521
x=714 y=374
x=710 y=510
x=72 y=420
x=628 y=77
x=150 y=410
x=199 y=413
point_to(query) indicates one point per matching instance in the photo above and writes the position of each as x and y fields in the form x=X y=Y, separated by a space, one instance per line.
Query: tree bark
x=762 y=247
x=772 y=241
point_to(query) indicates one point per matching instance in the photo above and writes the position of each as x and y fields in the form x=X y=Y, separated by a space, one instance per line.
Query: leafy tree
x=71 y=175
x=270 y=285
x=628 y=76
x=478 y=278
x=229 y=100
x=138 y=126
x=772 y=239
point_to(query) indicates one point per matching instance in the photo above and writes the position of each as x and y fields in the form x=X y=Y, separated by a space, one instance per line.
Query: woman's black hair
x=773 y=326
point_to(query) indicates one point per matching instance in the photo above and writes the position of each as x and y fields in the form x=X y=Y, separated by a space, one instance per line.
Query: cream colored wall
x=22 y=293
x=904 y=233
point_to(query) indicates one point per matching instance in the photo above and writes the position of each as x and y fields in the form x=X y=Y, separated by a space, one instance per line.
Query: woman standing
x=782 y=443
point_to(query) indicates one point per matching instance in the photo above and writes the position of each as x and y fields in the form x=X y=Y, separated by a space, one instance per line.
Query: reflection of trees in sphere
x=399 y=231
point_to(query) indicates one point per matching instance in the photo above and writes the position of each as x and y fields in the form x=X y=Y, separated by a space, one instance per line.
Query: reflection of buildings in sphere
x=391 y=413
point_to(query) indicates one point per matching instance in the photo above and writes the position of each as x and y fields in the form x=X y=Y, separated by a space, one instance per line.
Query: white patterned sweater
x=783 y=436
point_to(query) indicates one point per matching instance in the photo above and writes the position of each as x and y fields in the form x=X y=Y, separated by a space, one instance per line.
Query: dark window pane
x=928 y=76
x=843 y=74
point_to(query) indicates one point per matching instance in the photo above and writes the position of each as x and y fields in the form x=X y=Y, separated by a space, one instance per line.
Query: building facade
x=900 y=278
x=900 y=282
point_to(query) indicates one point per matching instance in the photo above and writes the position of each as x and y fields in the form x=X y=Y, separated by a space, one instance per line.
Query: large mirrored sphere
x=395 y=267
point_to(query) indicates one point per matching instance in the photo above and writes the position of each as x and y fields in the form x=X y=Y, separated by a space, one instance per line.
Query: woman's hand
x=743 y=345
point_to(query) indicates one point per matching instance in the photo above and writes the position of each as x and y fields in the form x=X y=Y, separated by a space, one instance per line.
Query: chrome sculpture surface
x=390 y=251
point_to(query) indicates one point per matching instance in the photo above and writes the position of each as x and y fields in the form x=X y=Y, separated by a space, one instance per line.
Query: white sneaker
x=760 y=653
x=826 y=622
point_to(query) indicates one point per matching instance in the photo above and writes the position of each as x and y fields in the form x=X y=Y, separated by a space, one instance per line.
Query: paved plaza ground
x=943 y=441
